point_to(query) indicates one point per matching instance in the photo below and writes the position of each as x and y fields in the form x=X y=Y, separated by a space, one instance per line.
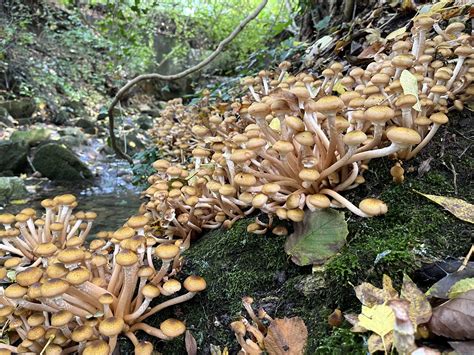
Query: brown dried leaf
x=371 y=50
x=191 y=345
x=404 y=332
x=286 y=336
x=375 y=343
x=420 y=308
x=290 y=98
x=353 y=319
x=455 y=318
x=369 y=295
x=387 y=285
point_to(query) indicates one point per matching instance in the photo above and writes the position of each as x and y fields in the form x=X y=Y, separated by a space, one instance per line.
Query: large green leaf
x=320 y=236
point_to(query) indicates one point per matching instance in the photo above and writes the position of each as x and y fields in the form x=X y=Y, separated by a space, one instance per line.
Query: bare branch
x=200 y=65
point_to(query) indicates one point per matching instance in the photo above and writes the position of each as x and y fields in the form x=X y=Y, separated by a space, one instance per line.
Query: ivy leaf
x=319 y=237
x=461 y=287
x=459 y=208
x=379 y=319
x=419 y=309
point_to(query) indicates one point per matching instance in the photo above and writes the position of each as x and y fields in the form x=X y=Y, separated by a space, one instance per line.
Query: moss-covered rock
x=59 y=163
x=31 y=137
x=13 y=158
x=21 y=108
x=12 y=188
x=414 y=232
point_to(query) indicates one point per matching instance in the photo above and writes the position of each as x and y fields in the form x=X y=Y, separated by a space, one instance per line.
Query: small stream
x=111 y=195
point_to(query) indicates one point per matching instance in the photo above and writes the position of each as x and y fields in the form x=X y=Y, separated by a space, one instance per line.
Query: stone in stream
x=59 y=163
x=13 y=157
x=12 y=188
x=22 y=108
x=5 y=118
x=88 y=126
x=31 y=137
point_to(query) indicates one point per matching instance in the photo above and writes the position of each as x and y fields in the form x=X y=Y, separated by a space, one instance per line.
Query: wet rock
x=13 y=157
x=72 y=137
x=59 y=163
x=145 y=122
x=22 y=108
x=12 y=188
x=88 y=126
x=62 y=117
x=32 y=137
x=5 y=118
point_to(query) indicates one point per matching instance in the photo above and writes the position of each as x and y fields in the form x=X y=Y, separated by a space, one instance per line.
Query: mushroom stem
x=149 y=330
x=163 y=305
x=139 y=311
x=129 y=284
x=424 y=142
x=345 y=202
x=162 y=272
x=349 y=180
x=376 y=153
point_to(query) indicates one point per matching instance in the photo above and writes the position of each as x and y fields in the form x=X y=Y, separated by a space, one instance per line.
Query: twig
x=180 y=75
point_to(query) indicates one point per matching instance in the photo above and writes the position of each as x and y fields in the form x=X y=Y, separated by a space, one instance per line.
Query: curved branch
x=180 y=75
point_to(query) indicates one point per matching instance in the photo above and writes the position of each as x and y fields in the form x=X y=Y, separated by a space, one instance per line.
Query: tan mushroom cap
x=126 y=258
x=280 y=230
x=161 y=165
x=439 y=118
x=373 y=207
x=172 y=327
x=61 y=318
x=7 y=218
x=259 y=109
x=123 y=233
x=56 y=270
x=15 y=291
x=354 y=138
x=318 y=200
x=166 y=251
x=308 y=174
x=111 y=326
x=194 y=283
x=150 y=291
x=12 y=262
x=65 y=200
x=329 y=104
x=29 y=276
x=6 y=310
x=295 y=123
x=35 y=319
x=35 y=333
x=296 y=215
x=53 y=349
x=106 y=298
x=380 y=113
x=54 y=287
x=305 y=138
x=96 y=347
x=245 y=179
x=71 y=255
x=404 y=136
x=283 y=147
x=270 y=188
x=144 y=348
x=78 y=276
x=82 y=333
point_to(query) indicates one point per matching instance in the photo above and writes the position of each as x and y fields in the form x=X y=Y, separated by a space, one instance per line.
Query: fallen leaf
x=455 y=318
x=339 y=88
x=353 y=319
x=379 y=319
x=190 y=342
x=459 y=208
x=441 y=288
x=319 y=237
x=410 y=87
x=388 y=289
x=286 y=336
x=371 y=51
x=275 y=125
x=375 y=343
x=335 y=318
x=369 y=295
x=420 y=309
x=396 y=33
x=461 y=287
x=404 y=331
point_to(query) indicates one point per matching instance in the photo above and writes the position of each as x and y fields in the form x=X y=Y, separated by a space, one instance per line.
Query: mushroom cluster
x=68 y=294
x=297 y=142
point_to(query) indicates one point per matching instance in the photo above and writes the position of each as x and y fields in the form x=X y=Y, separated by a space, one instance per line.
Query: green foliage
x=142 y=168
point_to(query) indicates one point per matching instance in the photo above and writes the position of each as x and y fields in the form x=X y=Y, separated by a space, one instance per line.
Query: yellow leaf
x=380 y=319
x=461 y=287
x=18 y=202
x=410 y=86
x=339 y=88
x=396 y=33
x=438 y=6
x=275 y=125
x=132 y=144
x=459 y=208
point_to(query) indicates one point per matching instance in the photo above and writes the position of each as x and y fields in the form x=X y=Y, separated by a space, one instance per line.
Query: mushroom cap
x=22 y=218
x=227 y=190
x=259 y=109
x=166 y=251
x=270 y=188
x=15 y=291
x=150 y=291
x=373 y=207
x=6 y=310
x=404 y=136
x=245 y=179
x=283 y=147
x=172 y=286
x=78 y=276
x=35 y=333
x=295 y=123
x=29 y=276
x=48 y=203
x=111 y=326
x=126 y=258
x=7 y=218
x=379 y=114
x=96 y=347
x=106 y=298
x=35 y=319
x=259 y=200
x=305 y=138
x=123 y=233
x=354 y=138
x=296 y=215
x=65 y=200
x=425 y=22
x=318 y=200
x=194 y=283
x=403 y=61
x=56 y=270
x=329 y=104
x=280 y=230
x=464 y=51
x=54 y=287
x=161 y=165
x=238 y=327
x=53 y=349
x=145 y=271
x=82 y=333
x=172 y=327
x=308 y=174
x=71 y=255
x=137 y=222
x=144 y=348
x=439 y=118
